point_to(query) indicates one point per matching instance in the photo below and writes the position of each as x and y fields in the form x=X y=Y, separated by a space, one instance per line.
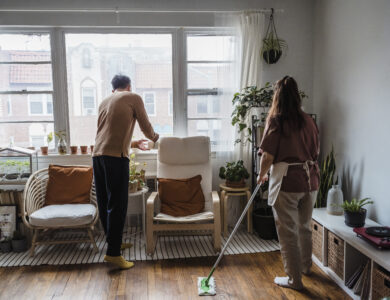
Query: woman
x=290 y=149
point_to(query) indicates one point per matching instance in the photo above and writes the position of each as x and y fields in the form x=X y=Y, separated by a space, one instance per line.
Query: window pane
x=208 y=75
x=217 y=130
x=201 y=106
x=93 y=59
x=22 y=107
x=20 y=77
x=25 y=134
x=214 y=48
x=36 y=108
x=24 y=47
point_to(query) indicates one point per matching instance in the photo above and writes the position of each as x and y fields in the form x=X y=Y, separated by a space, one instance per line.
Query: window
x=145 y=58
x=209 y=68
x=170 y=103
x=150 y=105
x=25 y=84
x=89 y=100
x=86 y=58
x=40 y=104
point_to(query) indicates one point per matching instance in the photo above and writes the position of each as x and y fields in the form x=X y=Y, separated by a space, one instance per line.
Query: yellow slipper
x=119 y=261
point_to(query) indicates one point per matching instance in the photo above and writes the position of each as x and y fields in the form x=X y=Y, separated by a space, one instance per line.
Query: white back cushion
x=180 y=158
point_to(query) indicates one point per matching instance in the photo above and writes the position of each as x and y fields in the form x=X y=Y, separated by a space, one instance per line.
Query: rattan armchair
x=34 y=200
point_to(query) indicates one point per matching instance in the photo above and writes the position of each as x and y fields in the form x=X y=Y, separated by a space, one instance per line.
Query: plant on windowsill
x=250 y=98
x=234 y=173
x=45 y=149
x=354 y=213
x=61 y=146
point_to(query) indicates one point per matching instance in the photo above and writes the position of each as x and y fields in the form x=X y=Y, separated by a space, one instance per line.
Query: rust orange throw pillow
x=181 y=197
x=68 y=185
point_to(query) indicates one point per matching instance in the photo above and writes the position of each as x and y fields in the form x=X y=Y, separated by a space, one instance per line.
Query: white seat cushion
x=203 y=216
x=63 y=215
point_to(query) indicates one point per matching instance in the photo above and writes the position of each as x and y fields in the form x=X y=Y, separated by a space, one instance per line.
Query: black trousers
x=111 y=175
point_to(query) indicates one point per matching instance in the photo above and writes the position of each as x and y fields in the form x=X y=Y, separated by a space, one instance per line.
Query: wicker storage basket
x=317 y=239
x=336 y=254
x=380 y=283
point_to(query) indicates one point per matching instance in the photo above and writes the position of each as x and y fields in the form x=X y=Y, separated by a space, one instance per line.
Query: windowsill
x=152 y=152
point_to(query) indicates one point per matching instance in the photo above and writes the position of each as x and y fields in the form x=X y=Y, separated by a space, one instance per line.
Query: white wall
x=351 y=92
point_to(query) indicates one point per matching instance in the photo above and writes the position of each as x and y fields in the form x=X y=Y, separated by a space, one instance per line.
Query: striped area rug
x=167 y=247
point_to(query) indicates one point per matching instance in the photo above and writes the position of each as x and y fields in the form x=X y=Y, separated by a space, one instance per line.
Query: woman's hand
x=261 y=180
x=140 y=144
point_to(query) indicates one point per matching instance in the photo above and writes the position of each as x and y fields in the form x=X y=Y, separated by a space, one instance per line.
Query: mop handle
x=234 y=230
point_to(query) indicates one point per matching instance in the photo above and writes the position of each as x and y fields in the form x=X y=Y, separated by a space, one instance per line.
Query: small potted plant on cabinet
x=354 y=213
x=234 y=173
x=19 y=242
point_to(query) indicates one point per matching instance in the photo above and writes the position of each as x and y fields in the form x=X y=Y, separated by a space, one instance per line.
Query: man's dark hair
x=120 y=82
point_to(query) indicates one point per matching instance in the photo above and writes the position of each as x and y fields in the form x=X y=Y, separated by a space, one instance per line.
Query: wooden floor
x=247 y=276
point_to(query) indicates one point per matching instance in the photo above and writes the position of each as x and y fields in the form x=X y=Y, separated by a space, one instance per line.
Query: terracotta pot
x=44 y=150
x=84 y=149
x=235 y=184
x=133 y=187
x=91 y=147
x=73 y=149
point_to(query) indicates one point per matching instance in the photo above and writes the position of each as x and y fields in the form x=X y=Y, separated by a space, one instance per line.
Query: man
x=117 y=116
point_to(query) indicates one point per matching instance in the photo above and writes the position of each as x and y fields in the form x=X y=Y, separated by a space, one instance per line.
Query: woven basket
x=317 y=239
x=336 y=254
x=380 y=284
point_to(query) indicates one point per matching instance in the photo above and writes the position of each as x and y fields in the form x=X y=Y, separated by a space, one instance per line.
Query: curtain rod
x=118 y=10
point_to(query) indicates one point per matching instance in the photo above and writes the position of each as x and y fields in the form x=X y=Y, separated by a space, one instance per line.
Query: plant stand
x=227 y=192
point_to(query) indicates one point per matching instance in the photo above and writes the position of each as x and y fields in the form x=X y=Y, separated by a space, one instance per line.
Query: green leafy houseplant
x=354 y=213
x=327 y=171
x=356 y=205
x=273 y=46
x=234 y=173
x=248 y=98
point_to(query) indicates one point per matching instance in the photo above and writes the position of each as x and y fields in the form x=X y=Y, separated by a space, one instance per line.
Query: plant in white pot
x=354 y=213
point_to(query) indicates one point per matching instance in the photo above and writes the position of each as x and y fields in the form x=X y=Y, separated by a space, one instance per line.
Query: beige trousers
x=293 y=213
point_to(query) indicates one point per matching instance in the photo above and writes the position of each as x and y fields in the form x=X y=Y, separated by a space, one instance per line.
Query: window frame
x=179 y=69
x=44 y=102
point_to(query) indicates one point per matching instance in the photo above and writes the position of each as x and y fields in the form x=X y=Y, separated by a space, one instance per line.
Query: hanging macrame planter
x=273 y=46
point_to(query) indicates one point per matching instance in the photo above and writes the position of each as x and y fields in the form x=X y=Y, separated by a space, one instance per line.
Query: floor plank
x=247 y=276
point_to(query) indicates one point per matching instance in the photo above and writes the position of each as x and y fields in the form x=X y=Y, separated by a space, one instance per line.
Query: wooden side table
x=230 y=191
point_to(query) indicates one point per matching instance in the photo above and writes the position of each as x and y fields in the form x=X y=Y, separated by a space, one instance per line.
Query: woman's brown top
x=294 y=145
x=117 y=116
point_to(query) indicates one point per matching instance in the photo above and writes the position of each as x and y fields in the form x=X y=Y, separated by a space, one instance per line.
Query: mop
x=206 y=285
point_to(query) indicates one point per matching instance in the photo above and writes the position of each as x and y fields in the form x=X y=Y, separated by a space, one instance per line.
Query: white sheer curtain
x=247 y=30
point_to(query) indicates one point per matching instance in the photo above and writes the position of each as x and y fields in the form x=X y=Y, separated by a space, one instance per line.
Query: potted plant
x=263 y=217
x=133 y=185
x=61 y=146
x=234 y=174
x=5 y=245
x=354 y=213
x=327 y=171
x=84 y=149
x=45 y=149
x=19 y=242
x=73 y=149
x=273 y=46
x=248 y=99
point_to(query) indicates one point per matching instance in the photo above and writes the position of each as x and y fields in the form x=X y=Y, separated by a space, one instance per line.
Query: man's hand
x=263 y=179
x=140 y=144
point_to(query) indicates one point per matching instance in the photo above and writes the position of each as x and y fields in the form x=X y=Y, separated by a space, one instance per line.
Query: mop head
x=206 y=290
